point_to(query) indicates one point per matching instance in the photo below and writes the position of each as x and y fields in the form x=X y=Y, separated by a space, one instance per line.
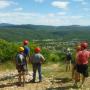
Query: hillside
x=19 y=32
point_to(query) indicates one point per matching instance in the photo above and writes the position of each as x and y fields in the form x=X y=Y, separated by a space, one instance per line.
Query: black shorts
x=83 y=69
x=21 y=68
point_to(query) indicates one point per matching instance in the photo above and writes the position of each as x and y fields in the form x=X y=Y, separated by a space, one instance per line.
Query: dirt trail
x=8 y=81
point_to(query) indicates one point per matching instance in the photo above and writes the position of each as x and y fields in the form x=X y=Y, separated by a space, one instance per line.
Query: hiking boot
x=32 y=81
x=81 y=86
x=40 y=80
x=75 y=85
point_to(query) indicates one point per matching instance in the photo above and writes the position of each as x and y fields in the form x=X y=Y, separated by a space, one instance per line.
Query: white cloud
x=59 y=4
x=51 y=15
x=61 y=13
x=18 y=9
x=42 y=19
x=5 y=4
x=40 y=1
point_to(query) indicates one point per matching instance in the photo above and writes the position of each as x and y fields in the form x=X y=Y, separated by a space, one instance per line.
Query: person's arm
x=42 y=59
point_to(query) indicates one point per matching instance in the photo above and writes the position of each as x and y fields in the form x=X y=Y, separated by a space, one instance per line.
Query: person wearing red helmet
x=82 y=61
x=26 y=51
x=37 y=59
x=25 y=42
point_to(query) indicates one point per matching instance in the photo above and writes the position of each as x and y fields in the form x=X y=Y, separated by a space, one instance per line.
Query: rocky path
x=8 y=81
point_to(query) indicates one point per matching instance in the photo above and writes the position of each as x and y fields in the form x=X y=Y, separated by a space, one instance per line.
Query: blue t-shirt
x=26 y=50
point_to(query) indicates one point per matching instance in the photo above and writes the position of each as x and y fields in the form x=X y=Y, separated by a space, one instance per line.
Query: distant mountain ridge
x=12 y=32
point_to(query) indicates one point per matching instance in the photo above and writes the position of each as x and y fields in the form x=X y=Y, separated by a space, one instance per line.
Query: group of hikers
x=79 y=65
x=22 y=57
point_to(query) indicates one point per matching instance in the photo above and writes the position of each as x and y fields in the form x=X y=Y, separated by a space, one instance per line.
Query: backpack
x=69 y=56
x=20 y=59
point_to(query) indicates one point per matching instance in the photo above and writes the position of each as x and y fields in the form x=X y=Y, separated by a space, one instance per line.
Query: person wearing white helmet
x=68 y=59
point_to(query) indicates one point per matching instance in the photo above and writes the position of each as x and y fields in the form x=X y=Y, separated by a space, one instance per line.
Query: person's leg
x=19 y=78
x=84 y=74
x=23 y=75
x=67 y=66
x=77 y=75
x=34 y=72
x=26 y=65
x=73 y=71
x=70 y=65
x=39 y=72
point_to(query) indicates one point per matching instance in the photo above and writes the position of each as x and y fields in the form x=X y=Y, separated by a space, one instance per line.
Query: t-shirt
x=26 y=50
x=82 y=57
x=37 y=58
x=20 y=59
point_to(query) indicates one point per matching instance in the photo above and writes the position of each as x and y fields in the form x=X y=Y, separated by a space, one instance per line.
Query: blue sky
x=45 y=12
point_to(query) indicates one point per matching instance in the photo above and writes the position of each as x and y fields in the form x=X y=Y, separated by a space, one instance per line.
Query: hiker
x=68 y=59
x=82 y=62
x=21 y=65
x=75 y=75
x=26 y=52
x=37 y=59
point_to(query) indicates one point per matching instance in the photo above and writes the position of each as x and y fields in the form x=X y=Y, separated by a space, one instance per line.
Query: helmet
x=68 y=49
x=84 y=45
x=78 y=48
x=37 y=50
x=25 y=42
x=21 y=49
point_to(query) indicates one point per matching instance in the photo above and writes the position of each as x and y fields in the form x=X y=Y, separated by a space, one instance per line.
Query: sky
x=45 y=12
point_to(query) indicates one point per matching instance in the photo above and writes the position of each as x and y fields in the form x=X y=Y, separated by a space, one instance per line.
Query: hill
x=12 y=32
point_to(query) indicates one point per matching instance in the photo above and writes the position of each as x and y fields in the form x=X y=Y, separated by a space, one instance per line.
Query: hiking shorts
x=83 y=69
x=21 y=68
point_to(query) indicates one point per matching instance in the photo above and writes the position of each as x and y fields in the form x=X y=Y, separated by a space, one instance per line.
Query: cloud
x=18 y=17
x=39 y=1
x=61 y=13
x=5 y=4
x=60 y=4
x=42 y=19
x=18 y=9
x=83 y=2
